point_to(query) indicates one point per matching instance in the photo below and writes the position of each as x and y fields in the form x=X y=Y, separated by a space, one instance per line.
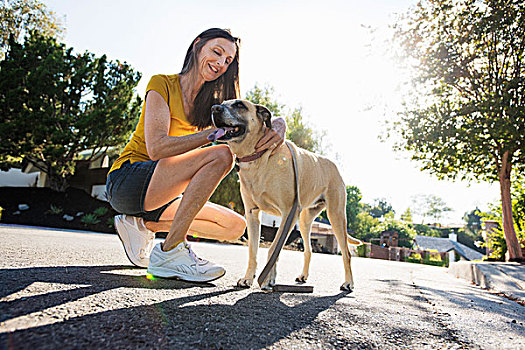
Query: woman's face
x=215 y=58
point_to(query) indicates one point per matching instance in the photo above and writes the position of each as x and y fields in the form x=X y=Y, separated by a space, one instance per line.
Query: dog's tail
x=353 y=241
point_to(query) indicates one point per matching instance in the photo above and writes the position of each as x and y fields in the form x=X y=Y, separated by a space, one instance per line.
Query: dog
x=267 y=184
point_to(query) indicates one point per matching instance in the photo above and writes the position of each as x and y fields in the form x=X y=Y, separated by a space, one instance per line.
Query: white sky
x=316 y=54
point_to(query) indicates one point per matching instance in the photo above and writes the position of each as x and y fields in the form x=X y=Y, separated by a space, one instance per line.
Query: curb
x=498 y=277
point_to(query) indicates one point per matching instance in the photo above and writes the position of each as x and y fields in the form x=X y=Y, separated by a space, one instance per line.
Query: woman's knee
x=237 y=228
x=223 y=155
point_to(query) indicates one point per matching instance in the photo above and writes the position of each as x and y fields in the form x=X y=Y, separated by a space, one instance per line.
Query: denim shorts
x=126 y=189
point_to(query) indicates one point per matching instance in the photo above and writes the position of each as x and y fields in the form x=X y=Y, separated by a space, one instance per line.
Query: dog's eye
x=239 y=104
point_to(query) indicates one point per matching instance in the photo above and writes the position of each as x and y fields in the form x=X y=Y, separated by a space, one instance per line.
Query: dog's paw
x=301 y=279
x=347 y=287
x=268 y=285
x=245 y=282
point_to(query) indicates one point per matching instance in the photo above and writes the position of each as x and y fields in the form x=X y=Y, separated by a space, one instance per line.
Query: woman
x=164 y=158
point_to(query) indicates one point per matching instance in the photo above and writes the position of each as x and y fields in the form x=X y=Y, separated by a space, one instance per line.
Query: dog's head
x=244 y=121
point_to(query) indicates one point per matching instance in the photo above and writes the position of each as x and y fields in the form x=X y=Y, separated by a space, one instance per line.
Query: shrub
x=100 y=211
x=90 y=219
x=54 y=210
x=414 y=258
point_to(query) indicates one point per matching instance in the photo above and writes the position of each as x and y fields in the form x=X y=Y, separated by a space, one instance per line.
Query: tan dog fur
x=267 y=184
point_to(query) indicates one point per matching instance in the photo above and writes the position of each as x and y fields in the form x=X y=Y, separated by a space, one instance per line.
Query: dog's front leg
x=269 y=282
x=254 y=235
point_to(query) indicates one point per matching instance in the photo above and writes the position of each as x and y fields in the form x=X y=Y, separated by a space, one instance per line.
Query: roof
x=444 y=245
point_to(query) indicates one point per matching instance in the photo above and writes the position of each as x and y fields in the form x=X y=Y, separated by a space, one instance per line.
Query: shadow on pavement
x=209 y=320
x=84 y=281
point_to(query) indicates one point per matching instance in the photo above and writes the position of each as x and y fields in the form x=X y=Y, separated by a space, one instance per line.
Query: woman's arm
x=156 y=128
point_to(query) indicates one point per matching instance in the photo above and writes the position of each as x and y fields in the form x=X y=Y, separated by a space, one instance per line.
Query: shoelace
x=193 y=255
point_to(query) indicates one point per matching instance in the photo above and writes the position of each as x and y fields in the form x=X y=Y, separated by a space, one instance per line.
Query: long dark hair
x=214 y=92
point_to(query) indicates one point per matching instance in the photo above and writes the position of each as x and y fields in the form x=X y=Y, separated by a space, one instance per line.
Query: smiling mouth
x=213 y=69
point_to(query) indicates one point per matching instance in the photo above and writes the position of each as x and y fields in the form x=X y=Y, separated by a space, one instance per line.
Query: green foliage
x=90 y=219
x=297 y=129
x=405 y=232
x=19 y=17
x=468 y=65
x=362 y=250
x=473 y=221
x=55 y=104
x=100 y=211
x=55 y=210
x=425 y=230
x=228 y=193
x=466 y=117
x=407 y=216
x=414 y=258
x=380 y=208
x=110 y=222
x=495 y=240
x=353 y=207
x=266 y=96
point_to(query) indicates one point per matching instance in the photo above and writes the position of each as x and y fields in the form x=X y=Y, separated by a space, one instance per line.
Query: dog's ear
x=265 y=114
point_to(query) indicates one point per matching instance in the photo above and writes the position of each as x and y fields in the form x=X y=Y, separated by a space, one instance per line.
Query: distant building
x=447 y=245
x=90 y=174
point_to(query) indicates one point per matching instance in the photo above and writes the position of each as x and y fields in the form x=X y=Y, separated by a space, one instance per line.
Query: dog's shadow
x=213 y=318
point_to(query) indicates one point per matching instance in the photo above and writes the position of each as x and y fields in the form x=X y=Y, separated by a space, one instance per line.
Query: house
x=90 y=173
x=447 y=245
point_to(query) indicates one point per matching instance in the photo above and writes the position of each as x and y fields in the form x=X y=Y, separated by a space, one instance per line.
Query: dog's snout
x=217 y=108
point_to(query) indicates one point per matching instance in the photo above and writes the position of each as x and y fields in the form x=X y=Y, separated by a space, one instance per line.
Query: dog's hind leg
x=306 y=218
x=336 y=210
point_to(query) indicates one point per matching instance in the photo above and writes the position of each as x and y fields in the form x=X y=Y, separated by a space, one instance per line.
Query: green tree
x=19 y=17
x=365 y=227
x=473 y=220
x=380 y=208
x=228 y=193
x=297 y=129
x=429 y=206
x=496 y=241
x=406 y=233
x=407 y=216
x=353 y=207
x=55 y=103
x=468 y=119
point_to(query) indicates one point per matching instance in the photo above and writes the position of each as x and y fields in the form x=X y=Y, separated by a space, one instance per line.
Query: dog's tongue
x=220 y=132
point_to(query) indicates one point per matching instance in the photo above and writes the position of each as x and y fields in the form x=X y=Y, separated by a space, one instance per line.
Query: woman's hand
x=274 y=137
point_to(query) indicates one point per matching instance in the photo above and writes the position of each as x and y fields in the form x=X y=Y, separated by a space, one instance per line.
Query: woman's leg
x=196 y=173
x=212 y=221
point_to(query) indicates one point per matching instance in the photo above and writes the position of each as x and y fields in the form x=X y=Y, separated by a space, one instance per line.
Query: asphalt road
x=63 y=289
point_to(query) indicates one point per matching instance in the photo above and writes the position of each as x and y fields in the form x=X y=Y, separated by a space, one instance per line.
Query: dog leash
x=289 y=220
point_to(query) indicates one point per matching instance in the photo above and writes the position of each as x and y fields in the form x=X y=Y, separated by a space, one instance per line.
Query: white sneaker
x=182 y=263
x=137 y=239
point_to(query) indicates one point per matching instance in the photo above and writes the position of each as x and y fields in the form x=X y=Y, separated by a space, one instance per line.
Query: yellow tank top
x=168 y=86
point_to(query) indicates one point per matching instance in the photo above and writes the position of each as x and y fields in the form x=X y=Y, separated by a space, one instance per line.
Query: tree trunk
x=513 y=246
